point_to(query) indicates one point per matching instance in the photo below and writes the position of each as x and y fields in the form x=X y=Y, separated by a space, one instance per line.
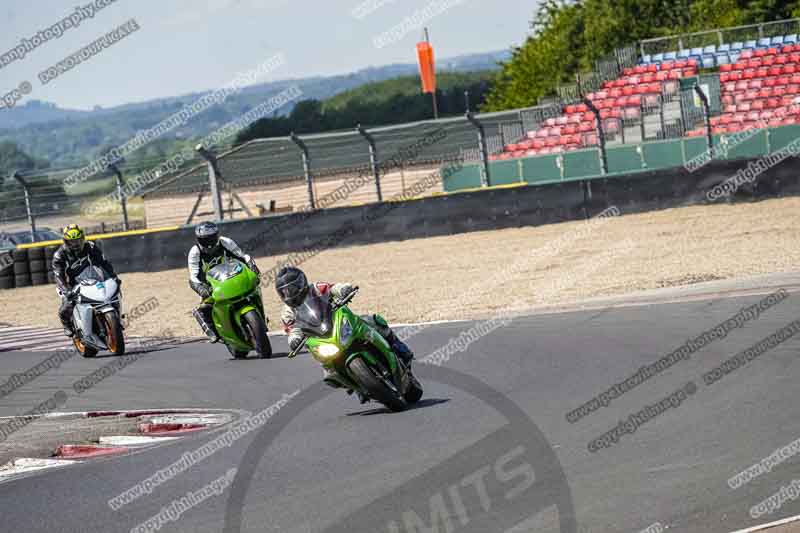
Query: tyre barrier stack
x=26 y=267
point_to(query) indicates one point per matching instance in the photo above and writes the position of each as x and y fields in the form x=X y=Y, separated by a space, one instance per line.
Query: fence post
x=213 y=176
x=706 y=118
x=306 y=168
x=485 y=172
x=123 y=202
x=373 y=160
x=601 y=137
x=25 y=187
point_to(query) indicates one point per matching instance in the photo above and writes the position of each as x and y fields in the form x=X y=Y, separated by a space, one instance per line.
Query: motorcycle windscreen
x=313 y=315
x=95 y=284
x=91 y=275
x=225 y=271
x=229 y=283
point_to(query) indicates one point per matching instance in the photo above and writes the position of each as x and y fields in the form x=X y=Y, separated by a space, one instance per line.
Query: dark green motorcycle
x=358 y=355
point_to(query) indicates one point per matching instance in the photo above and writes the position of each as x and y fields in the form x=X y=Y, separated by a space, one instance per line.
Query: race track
x=488 y=447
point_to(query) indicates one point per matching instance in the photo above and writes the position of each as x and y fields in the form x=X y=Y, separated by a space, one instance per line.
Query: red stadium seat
x=772 y=103
x=575 y=118
x=748 y=74
x=746 y=54
x=615 y=93
x=762 y=72
x=726 y=118
x=760 y=52
x=667 y=65
x=777 y=70
x=782 y=59
x=753 y=84
x=726 y=68
x=730 y=108
x=727 y=99
x=682 y=63
x=744 y=106
x=768 y=61
x=631 y=113
x=562 y=120
x=772 y=50
x=741 y=85
x=570 y=109
x=551 y=141
x=585 y=127
x=724 y=77
x=789 y=69
x=753 y=63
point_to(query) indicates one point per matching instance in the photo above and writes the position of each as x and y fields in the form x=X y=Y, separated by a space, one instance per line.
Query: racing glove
x=204 y=291
x=295 y=342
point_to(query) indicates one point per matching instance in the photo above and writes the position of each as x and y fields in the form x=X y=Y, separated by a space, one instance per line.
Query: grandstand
x=759 y=81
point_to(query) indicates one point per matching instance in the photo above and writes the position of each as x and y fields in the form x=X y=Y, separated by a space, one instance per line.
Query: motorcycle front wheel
x=115 y=340
x=257 y=330
x=375 y=386
x=81 y=348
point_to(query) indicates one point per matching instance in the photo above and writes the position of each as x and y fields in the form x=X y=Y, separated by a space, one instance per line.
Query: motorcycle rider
x=71 y=258
x=293 y=288
x=211 y=249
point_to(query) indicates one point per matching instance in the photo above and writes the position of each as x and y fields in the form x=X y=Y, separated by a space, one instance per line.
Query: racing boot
x=331 y=380
x=398 y=347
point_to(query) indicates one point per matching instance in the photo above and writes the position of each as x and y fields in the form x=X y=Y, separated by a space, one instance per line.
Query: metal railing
x=720 y=36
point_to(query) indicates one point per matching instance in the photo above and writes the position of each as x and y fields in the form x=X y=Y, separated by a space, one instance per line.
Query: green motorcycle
x=359 y=356
x=238 y=311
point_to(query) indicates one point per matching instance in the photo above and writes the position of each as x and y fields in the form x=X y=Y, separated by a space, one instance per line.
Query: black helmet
x=292 y=286
x=207 y=235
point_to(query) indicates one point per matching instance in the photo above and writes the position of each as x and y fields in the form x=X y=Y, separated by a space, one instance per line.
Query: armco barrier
x=447 y=214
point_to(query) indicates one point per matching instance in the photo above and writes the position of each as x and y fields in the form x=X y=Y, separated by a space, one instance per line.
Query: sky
x=184 y=46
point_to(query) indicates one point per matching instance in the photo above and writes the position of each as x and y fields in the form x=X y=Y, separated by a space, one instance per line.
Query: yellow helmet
x=74 y=238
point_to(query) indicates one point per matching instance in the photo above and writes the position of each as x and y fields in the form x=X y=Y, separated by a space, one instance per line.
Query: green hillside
x=380 y=92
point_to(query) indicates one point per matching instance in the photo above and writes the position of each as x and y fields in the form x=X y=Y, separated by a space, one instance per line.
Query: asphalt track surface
x=491 y=416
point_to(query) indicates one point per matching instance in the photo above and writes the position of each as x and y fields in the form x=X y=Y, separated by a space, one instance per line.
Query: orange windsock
x=427 y=68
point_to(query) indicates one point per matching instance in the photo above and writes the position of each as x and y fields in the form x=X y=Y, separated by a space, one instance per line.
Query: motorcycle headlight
x=345 y=331
x=327 y=350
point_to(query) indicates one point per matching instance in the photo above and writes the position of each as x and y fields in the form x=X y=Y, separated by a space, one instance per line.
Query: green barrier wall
x=781 y=137
x=582 y=164
x=541 y=169
x=625 y=159
x=505 y=172
x=663 y=154
x=468 y=177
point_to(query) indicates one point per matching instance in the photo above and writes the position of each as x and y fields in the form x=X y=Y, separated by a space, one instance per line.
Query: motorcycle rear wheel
x=375 y=386
x=258 y=334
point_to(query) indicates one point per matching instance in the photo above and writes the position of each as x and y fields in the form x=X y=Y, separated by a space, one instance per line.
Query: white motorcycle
x=96 y=318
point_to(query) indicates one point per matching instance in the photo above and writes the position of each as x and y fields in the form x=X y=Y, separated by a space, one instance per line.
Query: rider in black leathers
x=69 y=260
